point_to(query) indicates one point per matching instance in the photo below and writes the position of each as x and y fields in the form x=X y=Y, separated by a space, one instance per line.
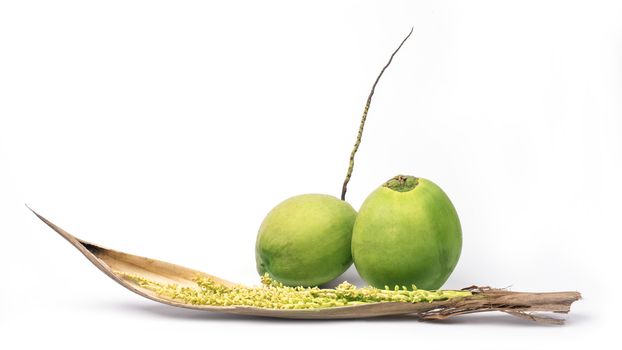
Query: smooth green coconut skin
x=306 y=240
x=407 y=232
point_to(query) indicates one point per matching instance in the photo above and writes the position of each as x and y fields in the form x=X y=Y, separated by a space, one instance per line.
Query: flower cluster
x=274 y=295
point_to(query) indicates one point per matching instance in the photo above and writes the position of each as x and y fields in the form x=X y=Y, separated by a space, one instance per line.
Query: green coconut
x=407 y=232
x=305 y=240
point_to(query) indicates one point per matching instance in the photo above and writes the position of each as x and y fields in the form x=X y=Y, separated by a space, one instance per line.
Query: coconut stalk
x=359 y=135
x=143 y=275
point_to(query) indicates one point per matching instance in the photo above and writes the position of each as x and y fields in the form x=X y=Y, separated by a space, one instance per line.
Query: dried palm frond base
x=183 y=287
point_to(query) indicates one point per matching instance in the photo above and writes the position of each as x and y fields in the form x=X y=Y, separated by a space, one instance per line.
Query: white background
x=169 y=129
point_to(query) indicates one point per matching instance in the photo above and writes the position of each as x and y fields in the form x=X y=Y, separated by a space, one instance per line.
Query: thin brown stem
x=359 y=136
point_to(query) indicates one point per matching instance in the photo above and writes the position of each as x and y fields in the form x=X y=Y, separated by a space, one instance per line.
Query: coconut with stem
x=306 y=239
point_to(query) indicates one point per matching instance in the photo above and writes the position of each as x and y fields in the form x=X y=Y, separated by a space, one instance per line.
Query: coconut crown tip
x=402 y=183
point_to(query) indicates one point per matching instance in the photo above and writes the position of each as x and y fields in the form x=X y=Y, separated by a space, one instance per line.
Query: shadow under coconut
x=351 y=276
